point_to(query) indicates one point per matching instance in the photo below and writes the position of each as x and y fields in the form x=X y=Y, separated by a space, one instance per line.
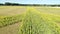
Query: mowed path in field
x=10 y=29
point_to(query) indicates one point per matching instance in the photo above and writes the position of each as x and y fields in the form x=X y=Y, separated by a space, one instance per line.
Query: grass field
x=35 y=22
x=48 y=14
x=7 y=16
x=11 y=10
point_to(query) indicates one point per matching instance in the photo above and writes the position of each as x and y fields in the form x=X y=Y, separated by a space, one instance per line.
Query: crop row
x=8 y=20
x=35 y=22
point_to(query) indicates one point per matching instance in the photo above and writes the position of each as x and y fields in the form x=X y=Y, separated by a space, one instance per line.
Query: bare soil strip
x=11 y=29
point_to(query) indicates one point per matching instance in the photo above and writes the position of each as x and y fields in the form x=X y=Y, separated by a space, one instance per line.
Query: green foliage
x=7 y=20
x=35 y=22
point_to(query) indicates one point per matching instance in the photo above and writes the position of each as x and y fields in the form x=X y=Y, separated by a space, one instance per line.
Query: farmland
x=11 y=10
x=14 y=14
x=7 y=16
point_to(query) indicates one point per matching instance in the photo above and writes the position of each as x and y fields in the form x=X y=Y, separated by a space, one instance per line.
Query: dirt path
x=11 y=29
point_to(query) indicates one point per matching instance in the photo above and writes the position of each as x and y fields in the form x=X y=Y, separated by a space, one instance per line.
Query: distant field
x=11 y=10
x=49 y=10
x=50 y=13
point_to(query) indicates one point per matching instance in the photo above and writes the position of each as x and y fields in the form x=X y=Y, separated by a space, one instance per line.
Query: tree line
x=17 y=4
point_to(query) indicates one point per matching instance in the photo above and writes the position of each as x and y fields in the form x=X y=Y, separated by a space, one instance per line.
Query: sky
x=32 y=1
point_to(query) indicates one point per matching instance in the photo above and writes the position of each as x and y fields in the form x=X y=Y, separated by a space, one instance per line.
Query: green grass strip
x=35 y=23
